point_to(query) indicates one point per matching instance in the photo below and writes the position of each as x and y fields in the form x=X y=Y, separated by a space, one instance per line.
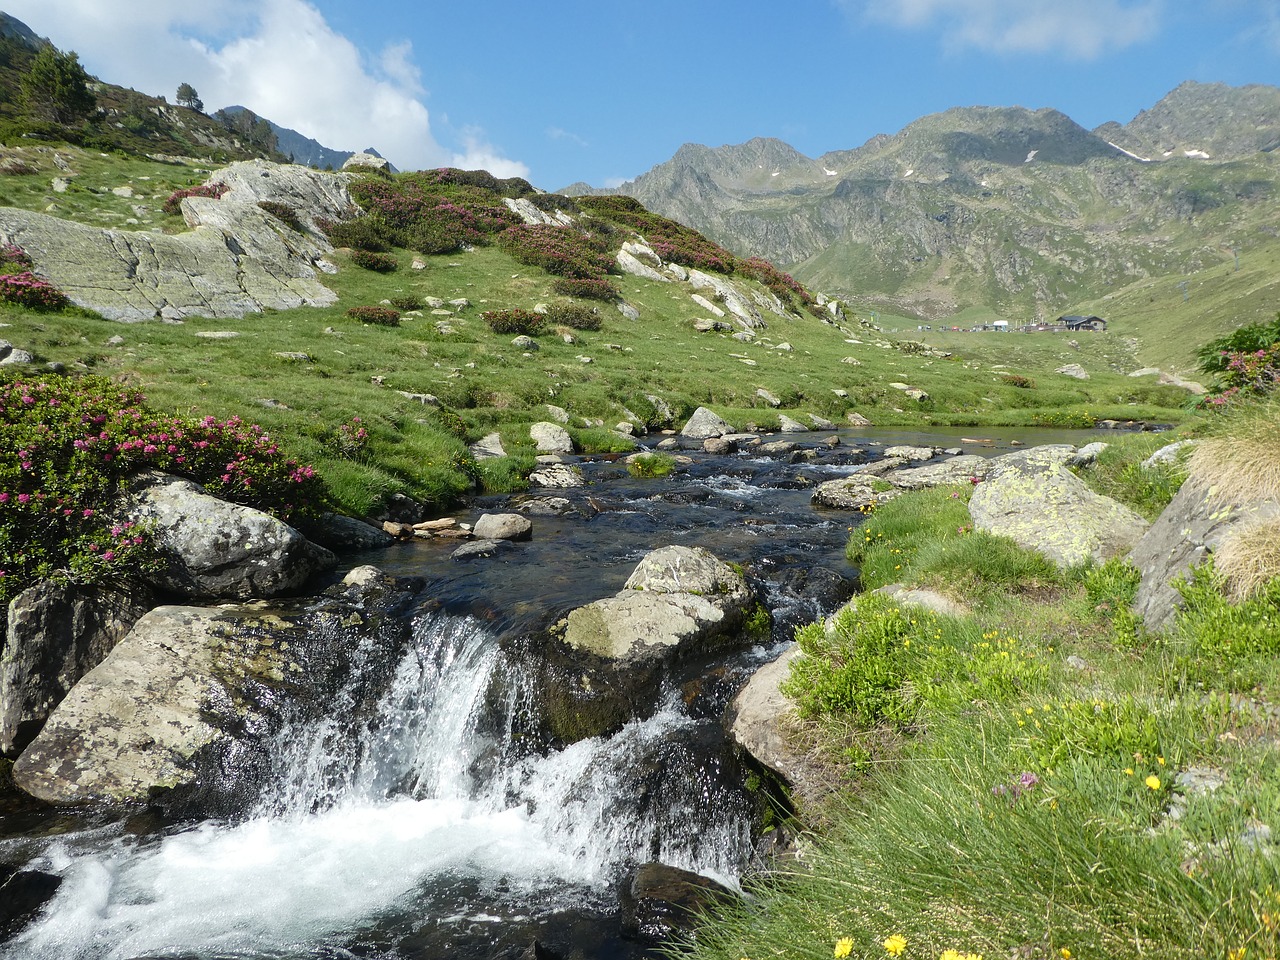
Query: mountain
x=11 y=28
x=1021 y=212
x=302 y=149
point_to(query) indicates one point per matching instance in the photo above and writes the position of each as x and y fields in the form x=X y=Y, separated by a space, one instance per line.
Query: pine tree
x=56 y=88
x=187 y=97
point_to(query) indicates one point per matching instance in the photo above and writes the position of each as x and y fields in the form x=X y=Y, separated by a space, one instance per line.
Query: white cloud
x=1080 y=29
x=279 y=58
x=479 y=155
x=614 y=182
x=559 y=133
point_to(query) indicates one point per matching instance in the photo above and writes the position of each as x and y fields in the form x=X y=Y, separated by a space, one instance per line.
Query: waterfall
x=429 y=798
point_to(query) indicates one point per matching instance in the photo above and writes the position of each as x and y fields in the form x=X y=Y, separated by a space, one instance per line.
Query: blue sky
x=602 y=91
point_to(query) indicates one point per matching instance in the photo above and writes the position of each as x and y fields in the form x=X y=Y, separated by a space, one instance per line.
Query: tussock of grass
x=1249 y=557
x=1242 y=457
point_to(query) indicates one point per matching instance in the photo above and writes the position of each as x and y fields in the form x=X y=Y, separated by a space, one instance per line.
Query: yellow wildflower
x=951 y=955
x=1152 y=782
x=844 y=947
x=895 y=945
x=1129 y=771
x=1236 y=954
x=1066 y=954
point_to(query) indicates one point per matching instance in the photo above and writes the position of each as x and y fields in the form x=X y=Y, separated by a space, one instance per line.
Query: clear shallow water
x=430 y=833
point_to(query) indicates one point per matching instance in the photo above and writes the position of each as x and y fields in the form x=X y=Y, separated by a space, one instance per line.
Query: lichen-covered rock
x=213 y=549
x=503 y=526
x=182 y=711
x=1185 y=535
x=57 y=632
x=962 y=469
x=1041 y=506
x=909 y=452
x=676 y=597
x=854 y=492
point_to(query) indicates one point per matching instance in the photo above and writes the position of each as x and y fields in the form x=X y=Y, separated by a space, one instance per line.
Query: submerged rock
x=661 y=901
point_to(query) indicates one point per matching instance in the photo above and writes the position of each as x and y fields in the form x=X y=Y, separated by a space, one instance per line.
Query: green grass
x=1009 y=776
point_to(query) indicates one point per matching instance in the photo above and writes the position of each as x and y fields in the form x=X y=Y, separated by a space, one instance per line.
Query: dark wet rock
x=545 y=506
x=22 y=895
x=399 y=508
x=661 y=902
x=57 y=632
x=183 y=710
x=212 y=549
x=343 y=534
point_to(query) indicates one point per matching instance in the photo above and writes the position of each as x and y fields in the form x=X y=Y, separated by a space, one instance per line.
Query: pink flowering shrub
x=378 y=262
x=174 y=204
x=68 y=445
x=27 y=290
x=672 y=241
x=561 y=251
x=586 y=288
x=13 y=259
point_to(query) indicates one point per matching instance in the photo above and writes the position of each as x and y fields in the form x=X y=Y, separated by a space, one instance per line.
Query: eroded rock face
x=236 y=259
x=57 y=632
x=181 y=712
x=1041 y=506
x=219 y=550
x=1185 y=535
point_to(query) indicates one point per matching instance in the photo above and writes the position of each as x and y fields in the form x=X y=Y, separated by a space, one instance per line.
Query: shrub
x=212 y=190
x=349 y=440
x=574 y=315
x=381 y=316
x=785 y=287
x=562 y=251
x=364 y=233
x=406 y=303
x=27 y=290
x=1018 y=380
x=67 y=445
x=586 y=288
x=284 y=213
x=514 y=321
x=371 y=260
x=13 y=259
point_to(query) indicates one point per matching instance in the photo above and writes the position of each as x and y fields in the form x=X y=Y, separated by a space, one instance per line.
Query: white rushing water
x=363 y=827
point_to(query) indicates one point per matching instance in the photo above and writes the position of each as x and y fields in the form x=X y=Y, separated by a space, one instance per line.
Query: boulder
x=929 y=600
x=704 y=423
x=556 y=475
x=854 y=492
x=1032 y=499
x=707 y=305
x=742 y=310
x=662 y=902
x=212 y=549
x=343 y=534
x=1168 y=454
x=503 y=526
x=366 y=162
x=1073 y=370
x=759 y=719
x=551 y=438
x=629 y=264
x=184 y=710
x=488 y=446
x=1087 y=455
x=678 y=600
x=788 y=425
x=908 y=452
x=1186 y=533
x=57 y=632
x=962 y=469
x=479 y=550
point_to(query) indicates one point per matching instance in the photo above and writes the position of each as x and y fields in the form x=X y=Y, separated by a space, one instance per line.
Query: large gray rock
x=677 y=597
x=1185 y=535
x=909 y=452
x=1041 y=506
x=213 y=549
x=743 y=311
x=761 y=720
x=57 y=632
x=628 y=263
x=236 y=259
x=343 y=534
x=962 y=469
x=503 y=526
x=703 y=424
x=551 y=438
x=184 y=710
x=854 y=492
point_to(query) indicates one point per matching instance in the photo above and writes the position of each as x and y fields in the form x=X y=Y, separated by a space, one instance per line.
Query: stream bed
x=430 y=832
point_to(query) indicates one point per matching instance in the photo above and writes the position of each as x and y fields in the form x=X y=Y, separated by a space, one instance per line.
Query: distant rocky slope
x=1020 y=210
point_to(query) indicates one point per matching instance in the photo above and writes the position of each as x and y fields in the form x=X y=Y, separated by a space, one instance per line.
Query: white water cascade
x=428 y=812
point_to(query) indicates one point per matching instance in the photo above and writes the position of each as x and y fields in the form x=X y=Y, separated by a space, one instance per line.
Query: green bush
x=378 y=262
x=406 y=303
x=1220 y=642
x=1110 y=589
x=586 y=288
x=574 y=315
x=363 y=233
x=381 y=316
x=284 y=213
x=651 y=465
x=514 y=321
